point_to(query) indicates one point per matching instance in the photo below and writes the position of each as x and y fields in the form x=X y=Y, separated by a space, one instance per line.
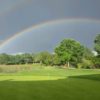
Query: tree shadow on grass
x=95 y=77
x=71 y=88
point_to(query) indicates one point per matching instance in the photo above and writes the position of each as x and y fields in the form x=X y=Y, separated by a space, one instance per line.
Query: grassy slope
x=51 y=84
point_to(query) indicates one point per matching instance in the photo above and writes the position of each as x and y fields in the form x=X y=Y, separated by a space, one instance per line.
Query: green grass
x=50 y=84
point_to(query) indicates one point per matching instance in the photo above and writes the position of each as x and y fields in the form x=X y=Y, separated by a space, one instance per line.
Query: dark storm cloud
x=17 y=15
x=47 y=36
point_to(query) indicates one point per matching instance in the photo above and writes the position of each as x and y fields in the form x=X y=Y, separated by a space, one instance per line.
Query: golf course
x=49 y=83
x=49 y=49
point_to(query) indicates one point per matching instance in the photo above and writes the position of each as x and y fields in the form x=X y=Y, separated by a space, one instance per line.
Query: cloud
x=11 y=5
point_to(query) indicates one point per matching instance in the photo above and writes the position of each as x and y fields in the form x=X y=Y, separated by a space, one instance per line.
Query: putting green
x=29 y=78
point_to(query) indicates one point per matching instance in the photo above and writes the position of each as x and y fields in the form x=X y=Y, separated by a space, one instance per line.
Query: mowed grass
x=48 y=83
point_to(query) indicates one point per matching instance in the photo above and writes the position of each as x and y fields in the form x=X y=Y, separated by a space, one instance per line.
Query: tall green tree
x=69 y=50
x=96 y=59
x=97 y=44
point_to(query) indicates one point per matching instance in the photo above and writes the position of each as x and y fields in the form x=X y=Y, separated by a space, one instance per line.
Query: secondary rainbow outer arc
x=47 y=23
x=14 y=7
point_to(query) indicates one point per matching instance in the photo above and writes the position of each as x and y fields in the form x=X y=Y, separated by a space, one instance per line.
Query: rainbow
x=52 y=22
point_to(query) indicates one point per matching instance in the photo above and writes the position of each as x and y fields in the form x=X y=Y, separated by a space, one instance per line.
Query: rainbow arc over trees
x=52 y=22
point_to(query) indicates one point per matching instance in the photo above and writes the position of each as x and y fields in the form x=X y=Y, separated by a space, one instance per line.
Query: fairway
x=51 y=84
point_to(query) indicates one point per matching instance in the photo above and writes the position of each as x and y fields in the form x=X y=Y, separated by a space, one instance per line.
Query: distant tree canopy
x=43 y=58
x=4 y=58
x=68 y=53
x=15 y=59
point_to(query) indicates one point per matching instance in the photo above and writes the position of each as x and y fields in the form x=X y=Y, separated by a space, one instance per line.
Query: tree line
x=69 y=53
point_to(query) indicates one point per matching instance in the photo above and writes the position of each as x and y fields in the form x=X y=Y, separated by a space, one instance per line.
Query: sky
x=38 y=25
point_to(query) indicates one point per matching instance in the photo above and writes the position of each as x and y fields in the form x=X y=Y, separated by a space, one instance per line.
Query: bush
x=86 y=64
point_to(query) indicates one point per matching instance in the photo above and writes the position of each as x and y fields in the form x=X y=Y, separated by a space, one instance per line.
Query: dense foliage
x=69 y=51
x=96 y=59
x=15 y=59
x=97 y=44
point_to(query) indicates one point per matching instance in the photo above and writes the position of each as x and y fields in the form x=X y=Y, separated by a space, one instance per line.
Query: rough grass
x=50 y=84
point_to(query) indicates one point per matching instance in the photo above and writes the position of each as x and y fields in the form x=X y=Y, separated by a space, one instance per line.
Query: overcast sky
x=54 y=19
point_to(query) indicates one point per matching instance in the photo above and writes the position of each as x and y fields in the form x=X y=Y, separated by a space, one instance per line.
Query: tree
x=97 y=44
x=87 y=61
x=43 y=58
x=4 y=58
x=96 y=59
x=55 y=60
x=69 y=50
x=27 y=58
x=88 y=54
